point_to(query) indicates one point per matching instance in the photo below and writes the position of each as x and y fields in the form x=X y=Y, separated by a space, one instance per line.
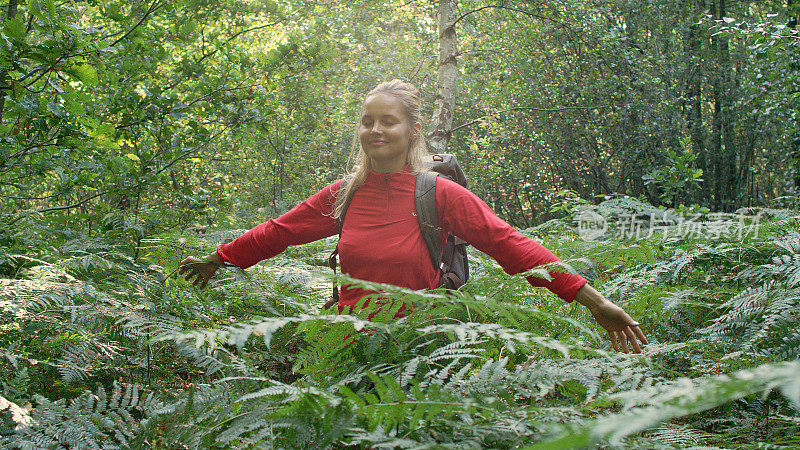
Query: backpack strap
x=345 y=180
x=333 y=258
x=427 y=215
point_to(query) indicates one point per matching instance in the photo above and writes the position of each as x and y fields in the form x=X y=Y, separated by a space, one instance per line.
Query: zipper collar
x=383 y=179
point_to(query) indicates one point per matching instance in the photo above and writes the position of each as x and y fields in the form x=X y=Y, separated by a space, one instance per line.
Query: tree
x=446 y=77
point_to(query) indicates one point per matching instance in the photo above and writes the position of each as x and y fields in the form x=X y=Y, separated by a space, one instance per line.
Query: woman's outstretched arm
x=471 y=219
x=309 y=221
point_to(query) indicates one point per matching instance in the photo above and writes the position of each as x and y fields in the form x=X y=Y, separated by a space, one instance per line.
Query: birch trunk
x=444 y=104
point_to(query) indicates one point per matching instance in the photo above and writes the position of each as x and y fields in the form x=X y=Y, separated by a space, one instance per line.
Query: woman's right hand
x=201 y=270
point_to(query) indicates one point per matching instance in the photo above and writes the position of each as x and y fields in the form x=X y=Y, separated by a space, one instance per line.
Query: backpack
x=453 y=266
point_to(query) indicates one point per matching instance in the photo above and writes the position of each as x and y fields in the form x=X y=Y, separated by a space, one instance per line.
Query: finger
x=638 y=332
x=632 y=339
x=187 y=266
x=623 y=341
x=613 y=341
x=205 y=282
x=194 y=277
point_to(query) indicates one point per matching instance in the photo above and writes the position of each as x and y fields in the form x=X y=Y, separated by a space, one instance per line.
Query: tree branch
x=138 y=184
x=525 y=108
x=235 y=35
x=507 y=8
x=59 y=208
x=150 y=10
x=27 y=198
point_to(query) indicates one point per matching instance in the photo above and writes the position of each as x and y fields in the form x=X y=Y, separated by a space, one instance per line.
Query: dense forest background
x=135 y=133
x=207 y=109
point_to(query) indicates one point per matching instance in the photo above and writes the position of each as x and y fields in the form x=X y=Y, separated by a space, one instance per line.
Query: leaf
x=30 y=104
x=74 y=107
x=15 y=28
x=56 y=109
x=51 y=8
x=106 y=130
x=85 y=73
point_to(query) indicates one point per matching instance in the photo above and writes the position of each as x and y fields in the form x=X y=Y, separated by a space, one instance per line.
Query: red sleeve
x=469 y=218
x=309 y=221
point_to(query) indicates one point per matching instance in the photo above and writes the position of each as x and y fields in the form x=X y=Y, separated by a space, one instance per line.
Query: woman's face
x=385 y=132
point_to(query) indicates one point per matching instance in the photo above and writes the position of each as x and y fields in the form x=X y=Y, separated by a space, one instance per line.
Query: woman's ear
x=415 y=130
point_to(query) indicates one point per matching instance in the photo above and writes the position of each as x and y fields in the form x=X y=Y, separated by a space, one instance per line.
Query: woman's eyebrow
x=382 y=116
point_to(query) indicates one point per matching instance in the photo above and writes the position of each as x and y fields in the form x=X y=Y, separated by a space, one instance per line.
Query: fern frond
x=393 y=406
x=94 y=420
x=290 y=393
x=508 y=336
x=19 y=416
x=788 y=267
x=680 y=436
x=762 y=318
x=683 y=397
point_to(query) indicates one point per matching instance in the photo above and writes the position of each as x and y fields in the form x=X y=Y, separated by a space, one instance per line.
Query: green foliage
x=679 y=397
x=677 y=176
x=95 y=419
x=135 y=134
x=251 y=361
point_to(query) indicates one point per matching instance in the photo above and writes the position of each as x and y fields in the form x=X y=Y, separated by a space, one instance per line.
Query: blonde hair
x=409 y=98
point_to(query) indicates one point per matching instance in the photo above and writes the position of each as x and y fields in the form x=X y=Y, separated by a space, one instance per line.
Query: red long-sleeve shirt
x=381 y=240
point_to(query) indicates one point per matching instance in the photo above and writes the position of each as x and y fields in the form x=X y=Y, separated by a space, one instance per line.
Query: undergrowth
x=104 y=349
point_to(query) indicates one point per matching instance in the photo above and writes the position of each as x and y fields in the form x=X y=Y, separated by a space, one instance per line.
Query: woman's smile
x=385 y=133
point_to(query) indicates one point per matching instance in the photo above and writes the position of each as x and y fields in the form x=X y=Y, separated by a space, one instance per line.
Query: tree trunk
x=694 y=117
x=722 y=146
x=794 y=139
x=730 y=152
x=443 y=106
x=715 y=146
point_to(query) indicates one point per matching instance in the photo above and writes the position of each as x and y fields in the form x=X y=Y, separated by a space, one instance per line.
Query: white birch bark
x=443 y=106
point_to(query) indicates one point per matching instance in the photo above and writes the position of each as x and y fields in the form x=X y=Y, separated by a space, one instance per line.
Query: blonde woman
x=381 y=239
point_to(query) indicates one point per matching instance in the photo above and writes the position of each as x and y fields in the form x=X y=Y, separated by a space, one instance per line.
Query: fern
x=508 y=336
x=679 y=436
x=679 y=398
x=12 y=417
x=762 y=318
x=96 y=420
x=786 y=266
x=390 y=405
x=238 y=334
x=497 y=365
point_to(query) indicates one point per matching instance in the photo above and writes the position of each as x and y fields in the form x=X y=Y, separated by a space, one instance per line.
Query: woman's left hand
x=622 y=329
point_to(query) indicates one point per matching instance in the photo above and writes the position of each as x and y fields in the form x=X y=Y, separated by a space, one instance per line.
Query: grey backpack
x=452 y=260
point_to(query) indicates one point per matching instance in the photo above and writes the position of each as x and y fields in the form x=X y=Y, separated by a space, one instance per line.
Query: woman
x=381 y=240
